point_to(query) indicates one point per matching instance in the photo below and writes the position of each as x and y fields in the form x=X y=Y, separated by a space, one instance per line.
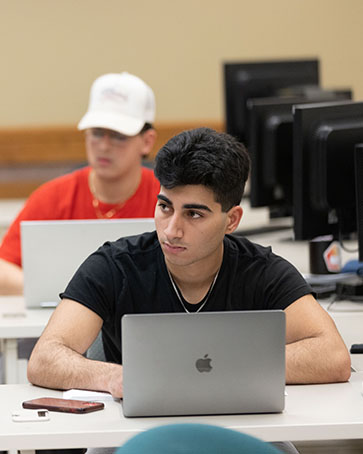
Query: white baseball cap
x=120 y=102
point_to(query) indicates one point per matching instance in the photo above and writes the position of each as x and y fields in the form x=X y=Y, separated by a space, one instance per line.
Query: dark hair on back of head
x=146 y=127
x=207 y=157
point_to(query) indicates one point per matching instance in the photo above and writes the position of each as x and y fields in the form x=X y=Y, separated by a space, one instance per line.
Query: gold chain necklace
x=110 y=213
x=96 y=204
x=206 y=298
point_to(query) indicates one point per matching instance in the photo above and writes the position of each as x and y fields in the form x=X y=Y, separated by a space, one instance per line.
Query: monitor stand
x=350 y=288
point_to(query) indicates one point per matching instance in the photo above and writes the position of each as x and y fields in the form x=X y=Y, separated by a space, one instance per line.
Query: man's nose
x=174 y=229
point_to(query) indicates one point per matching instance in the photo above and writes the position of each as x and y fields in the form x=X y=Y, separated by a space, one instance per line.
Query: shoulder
x=269 y=280
x=148 y=177
x=241 y=246
x=53 y=199
x=65 y=182
x=136 y=246
x=255 y=258
x=127 y=256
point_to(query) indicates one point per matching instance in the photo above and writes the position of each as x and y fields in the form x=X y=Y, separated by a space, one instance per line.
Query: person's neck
x=114 y=190
x=195 y=280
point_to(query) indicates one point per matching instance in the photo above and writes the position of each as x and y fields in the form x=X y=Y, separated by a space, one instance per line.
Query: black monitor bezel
x=252 y=79
x=309 y=222
x=266 y=115
x=261 y=111
x=358 y=151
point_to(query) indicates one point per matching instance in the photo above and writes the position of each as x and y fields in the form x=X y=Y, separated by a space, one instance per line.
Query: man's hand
x=115 y=386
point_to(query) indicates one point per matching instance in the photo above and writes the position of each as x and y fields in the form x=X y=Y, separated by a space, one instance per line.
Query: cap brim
x=121 y=123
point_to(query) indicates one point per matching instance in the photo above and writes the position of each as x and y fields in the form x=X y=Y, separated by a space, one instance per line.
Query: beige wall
x=52 y=50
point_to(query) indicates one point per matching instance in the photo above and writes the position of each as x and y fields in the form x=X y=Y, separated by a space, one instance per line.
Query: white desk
x=257 y=218
x=314 y=412
x=15 y=323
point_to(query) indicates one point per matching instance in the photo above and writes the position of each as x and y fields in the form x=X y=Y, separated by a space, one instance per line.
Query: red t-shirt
x=69 y=197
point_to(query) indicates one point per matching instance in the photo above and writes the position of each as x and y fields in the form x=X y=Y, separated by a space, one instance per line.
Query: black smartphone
x=356 y=348
x=63 y=405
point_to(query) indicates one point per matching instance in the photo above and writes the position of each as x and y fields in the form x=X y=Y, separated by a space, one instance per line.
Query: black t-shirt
x=130 y=276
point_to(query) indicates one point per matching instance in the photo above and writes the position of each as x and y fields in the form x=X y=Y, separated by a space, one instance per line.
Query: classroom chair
x=194 y=439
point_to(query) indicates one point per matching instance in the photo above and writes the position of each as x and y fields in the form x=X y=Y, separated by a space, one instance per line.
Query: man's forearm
x=316 y=360
x=59 y=367
x=11 y=278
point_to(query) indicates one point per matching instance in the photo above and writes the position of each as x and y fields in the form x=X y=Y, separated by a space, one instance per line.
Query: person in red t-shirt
x=118 y=134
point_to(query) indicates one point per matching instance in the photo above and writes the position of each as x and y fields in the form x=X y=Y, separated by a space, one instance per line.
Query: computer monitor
x=245 y=80
x=359 y=196
x=324 y=200
x=351 y=288
x=270 y=147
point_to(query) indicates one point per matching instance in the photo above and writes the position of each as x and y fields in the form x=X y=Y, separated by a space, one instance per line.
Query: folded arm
x=57 y=360
x=11 y=278
x=315 y=351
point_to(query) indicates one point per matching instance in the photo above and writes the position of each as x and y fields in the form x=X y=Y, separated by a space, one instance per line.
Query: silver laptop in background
x=53 y=250
x=204 y=363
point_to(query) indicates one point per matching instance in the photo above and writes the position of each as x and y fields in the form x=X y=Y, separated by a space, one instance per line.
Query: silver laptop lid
x=53 y=250
x=204 y=363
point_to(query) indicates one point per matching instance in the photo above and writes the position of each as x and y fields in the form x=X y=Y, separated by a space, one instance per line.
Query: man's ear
x=149 y=138
x=234 y=216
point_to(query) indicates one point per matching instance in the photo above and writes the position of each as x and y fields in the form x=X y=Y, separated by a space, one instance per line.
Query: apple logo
x=203 y=364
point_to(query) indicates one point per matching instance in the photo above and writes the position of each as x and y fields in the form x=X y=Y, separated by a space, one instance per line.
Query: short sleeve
x=93 y=284
x=283 y=284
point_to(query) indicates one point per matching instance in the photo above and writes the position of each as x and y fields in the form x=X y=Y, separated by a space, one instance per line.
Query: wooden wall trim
x=31 y=155
x=41 y=145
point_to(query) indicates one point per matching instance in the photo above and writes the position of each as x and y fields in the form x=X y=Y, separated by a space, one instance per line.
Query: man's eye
x=118 y=137
x=195 y=214
x=97 y=132
x=163 y=206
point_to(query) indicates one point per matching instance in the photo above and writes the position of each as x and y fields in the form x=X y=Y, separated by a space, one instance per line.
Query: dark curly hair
x=207 y=157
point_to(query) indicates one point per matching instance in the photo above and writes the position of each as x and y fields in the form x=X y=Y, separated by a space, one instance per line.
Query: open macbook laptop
x=204 y=363
x=53 y=250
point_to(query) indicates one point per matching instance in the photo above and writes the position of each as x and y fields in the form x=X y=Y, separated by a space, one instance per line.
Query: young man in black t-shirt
x=191 y=264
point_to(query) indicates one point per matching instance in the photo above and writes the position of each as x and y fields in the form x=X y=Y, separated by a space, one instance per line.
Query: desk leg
x=11 y=361
x=2 y=365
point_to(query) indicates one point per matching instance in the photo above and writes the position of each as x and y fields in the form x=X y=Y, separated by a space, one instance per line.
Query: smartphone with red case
x=63 y=405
